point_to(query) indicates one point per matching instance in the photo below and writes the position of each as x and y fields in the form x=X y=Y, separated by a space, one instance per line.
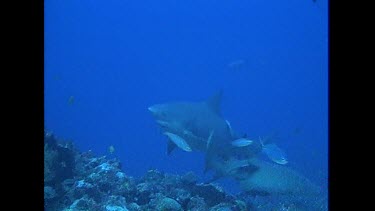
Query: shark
x=200 y=126
x=191 y=126
x=278 y=179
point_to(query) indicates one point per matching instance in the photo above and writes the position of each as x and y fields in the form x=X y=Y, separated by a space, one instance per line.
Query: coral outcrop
x=75 y=180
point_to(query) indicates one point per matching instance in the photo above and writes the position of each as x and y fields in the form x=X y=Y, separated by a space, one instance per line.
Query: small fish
x=236 y=65
x=282 y=161
x=111 y=149
x=275 y=154
x=71 y=100
x=180 y=142
x=241 y=142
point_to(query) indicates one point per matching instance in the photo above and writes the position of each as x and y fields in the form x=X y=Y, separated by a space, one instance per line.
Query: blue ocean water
x=106 y=62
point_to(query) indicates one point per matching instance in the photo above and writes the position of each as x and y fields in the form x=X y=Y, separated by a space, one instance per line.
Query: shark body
x=199 y=126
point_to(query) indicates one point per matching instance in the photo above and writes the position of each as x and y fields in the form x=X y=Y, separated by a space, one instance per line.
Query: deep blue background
x=117 y=57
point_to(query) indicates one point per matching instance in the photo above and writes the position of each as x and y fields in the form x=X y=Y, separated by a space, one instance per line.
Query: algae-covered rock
x=133 y=207
x=196 y=203
x=221 y=207
x=211 y=193
x=49 y=192
x=182 y=196
x=83 y=203
x=115 y=208
x=240 y=205
x=189 y=178
x=81 y=181
x=168 y=204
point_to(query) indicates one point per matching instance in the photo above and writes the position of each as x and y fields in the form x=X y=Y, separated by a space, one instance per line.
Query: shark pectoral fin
x=275 y=154
x=170 y=146
x=178 y=141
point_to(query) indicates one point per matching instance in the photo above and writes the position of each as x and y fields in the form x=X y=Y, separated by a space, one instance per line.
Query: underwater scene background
x=107 y=62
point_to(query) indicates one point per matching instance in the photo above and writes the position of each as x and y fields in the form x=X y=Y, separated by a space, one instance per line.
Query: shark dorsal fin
x=214 y=102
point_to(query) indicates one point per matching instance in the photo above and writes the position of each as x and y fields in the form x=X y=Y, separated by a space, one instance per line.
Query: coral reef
x=75 y=180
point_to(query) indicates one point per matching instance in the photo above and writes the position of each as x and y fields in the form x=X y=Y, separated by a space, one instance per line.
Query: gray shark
x=199 y=126
x=193 y=126
x=272 y=178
